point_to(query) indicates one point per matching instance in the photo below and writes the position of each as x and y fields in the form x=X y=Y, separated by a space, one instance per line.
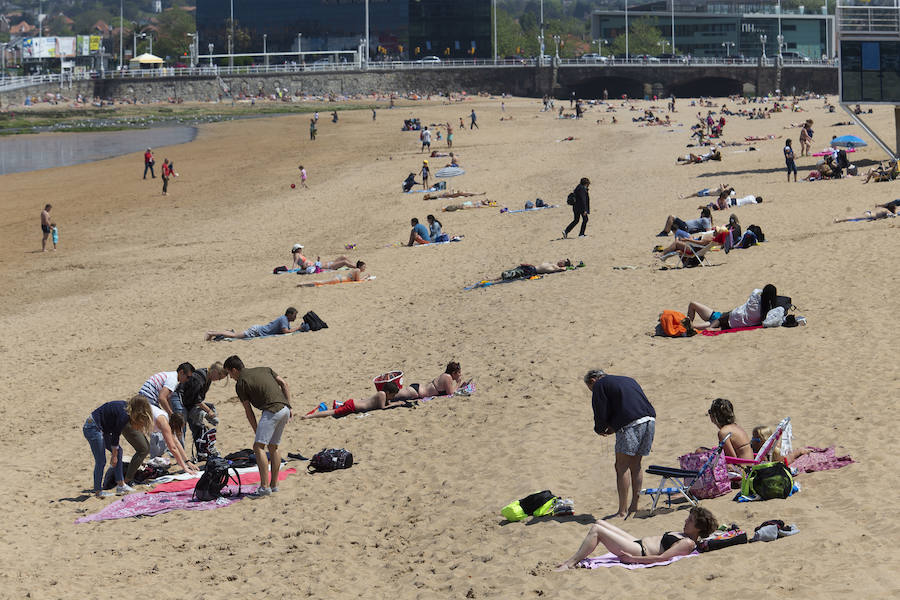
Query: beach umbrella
x=850 y=141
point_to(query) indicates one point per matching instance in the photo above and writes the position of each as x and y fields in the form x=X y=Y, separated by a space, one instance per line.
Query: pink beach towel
x=611 y=560
x=721 y=331
x=189 y=484
x=148 y=505
x=820 y=459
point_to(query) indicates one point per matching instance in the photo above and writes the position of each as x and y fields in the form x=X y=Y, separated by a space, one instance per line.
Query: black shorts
x=45 y=228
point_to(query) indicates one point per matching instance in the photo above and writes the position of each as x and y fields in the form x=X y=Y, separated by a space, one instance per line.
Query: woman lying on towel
x=469 y=204
x=379 y=400
x=453 y=194
x=721 y=413
x=880 y=212
x=444 y=384
x=719 y=237
x=699 y=524
x=751 y=313
x=341 y=277
x=301 y=262
x=692 y=158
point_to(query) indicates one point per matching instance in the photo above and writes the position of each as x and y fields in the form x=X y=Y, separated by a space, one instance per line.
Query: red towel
x=189 y=484
x=721 y=331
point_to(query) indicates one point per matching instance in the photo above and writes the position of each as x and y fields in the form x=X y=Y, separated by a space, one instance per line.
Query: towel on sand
x=611 y=560
x=721 y=331
x=820 y=459
x=249 y=476
x=148 y=505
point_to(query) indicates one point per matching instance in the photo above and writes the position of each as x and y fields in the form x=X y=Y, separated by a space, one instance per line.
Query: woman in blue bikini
x=699 y=524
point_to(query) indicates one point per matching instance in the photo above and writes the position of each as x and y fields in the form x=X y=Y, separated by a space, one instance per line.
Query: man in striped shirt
x=159 y=389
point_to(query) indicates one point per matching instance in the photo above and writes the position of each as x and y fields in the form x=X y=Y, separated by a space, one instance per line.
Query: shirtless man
x=377 y=401
x=46 y=226
x=452 y=194
x=880 y=212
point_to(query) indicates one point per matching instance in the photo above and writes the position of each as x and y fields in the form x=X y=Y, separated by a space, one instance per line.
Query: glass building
x=397 y=28
x=722 y=27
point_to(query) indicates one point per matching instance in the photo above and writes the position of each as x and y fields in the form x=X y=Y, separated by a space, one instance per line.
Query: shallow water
x=45 y=151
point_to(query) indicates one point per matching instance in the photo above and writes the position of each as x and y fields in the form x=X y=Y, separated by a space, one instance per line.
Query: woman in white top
x=162 y=426
x=750 y=313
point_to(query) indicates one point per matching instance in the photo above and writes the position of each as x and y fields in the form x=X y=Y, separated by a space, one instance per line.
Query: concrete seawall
x=587 y=81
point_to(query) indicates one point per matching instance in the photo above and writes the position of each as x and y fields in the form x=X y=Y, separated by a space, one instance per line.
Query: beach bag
x=444 y=237
x=537 y=505
x=214 y=480
x=571 y=199
x=714 y=482
x=149 y=473
x=314 y=322
x=670 y=326
x=768 y=480
x=722 y=539
x=330 y=459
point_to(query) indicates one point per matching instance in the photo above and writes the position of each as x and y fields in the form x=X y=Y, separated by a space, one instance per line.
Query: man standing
x=46 y=226
x=581 y=208
x=148 y=163
x=262 y=388
x=426 y=139
x=621 y=407
x=474 y=120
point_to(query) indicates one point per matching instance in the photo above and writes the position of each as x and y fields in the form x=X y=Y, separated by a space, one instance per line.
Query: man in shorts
x=426 y=140
x=262 y=388
x=379 y=400
x=621 y=407
x=46 y=226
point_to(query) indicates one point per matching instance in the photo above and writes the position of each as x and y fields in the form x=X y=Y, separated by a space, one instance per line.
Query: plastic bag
x=774 y=317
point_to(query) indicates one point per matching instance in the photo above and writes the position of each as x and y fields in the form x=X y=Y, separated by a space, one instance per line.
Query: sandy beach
x=139 y=277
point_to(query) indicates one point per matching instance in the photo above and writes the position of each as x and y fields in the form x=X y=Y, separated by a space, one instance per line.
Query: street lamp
x=762 y=40
x=231 y=38
x=210 y=46
x=780 y=39
x=299 y=48
x=3 y=46
x=540 y=39
x=626 y=29
x=728 y=46
x=265 y=50
x=193 y=37
x=662 y=44
x=556 y=40
x=600 y=44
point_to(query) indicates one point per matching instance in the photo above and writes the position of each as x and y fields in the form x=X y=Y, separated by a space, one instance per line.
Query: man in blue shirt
x=419 y=233
x=621 y=407
x=276 y=327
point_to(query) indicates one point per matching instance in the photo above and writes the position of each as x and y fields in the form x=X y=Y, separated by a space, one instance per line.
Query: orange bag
x=670 y=322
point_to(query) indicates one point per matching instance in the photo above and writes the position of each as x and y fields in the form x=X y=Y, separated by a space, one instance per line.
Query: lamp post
x=3 y=46
x=780 y=39
x=299 y=48
x=673 y=27
x=556 y=40
x=193 y=37
x=367 y=33
x=495 y=31
x=541 y=37
x=210 y=46
x=626 y=29
x=231 y=38
x=121 y=32
x=762 y=40
x=728 y=46
x=265 y=50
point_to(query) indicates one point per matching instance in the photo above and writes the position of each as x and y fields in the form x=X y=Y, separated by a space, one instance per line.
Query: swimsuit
x=346 y=408
x=668 y=540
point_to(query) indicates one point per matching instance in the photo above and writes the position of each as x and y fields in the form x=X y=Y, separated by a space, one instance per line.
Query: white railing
x=869 y=19
x=11 y=83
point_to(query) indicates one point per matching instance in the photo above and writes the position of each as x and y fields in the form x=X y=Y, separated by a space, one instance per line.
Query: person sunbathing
x=731 y=201
x=453 y=194
x=700 y=523
x=692 y=158
x=469 y=204
x=278 y=326
x=748 y=314
x=761 y=433
x=721 y=413
x=444 y=384
x=684 y=246
x=301 y=262
x=355 y=274
x=377 y=401
x=880 y=212
x=885 y=171
x=674 y=224
x=708 y=192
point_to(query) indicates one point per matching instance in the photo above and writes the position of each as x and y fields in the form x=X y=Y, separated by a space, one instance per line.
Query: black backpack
x=571 y=199
x=214 y=479
x=330 y=459
x=760 y=236
x=314 y=322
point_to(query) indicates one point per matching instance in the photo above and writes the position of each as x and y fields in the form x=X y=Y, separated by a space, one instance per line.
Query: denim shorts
x=635 y=440
x=271 y=425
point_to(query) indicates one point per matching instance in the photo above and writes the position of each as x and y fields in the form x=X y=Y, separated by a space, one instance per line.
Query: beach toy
x=349 y=246
x=293 y=186
x=391 y=376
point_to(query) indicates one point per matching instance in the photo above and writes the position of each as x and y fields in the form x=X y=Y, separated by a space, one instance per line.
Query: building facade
x=397 y=28
x=722 y=28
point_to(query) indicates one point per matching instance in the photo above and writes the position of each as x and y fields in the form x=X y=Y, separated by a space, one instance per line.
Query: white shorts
x=270 y=426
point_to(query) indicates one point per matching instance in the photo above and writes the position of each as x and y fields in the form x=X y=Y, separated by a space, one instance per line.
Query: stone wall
x=587 y=81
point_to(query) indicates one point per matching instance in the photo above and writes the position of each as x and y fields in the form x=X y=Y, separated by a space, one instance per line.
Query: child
x=302 y=176
x=761 y=433
x=55 y=232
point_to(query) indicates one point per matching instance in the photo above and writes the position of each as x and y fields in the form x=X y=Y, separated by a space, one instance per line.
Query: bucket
x=395 y=376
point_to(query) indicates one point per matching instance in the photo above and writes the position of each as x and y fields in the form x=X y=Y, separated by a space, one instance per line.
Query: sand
x=139 y=277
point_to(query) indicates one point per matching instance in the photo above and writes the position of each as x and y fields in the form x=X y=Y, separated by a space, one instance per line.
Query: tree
x=643 y=38
x=173 y=27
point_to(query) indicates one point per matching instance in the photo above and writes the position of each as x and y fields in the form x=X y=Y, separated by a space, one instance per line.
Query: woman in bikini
x=444 y=384
x=699 y=524
x=721 y=413
x=341 y=277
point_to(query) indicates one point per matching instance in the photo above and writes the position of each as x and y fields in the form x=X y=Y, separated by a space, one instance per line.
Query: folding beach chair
x=681 y=479
x=693 y=256
x=763 y=450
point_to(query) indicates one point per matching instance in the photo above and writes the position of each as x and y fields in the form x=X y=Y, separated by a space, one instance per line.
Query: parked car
x=794 y=56
x=593 y=58
x=429 y=59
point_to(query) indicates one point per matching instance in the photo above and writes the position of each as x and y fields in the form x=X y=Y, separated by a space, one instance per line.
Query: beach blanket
x=611 y=560
x=249 y=476
x=721 y=331
x=449 y=172
x=148 y=505
x=820 y=459
x=337 y=281
x=521 y=210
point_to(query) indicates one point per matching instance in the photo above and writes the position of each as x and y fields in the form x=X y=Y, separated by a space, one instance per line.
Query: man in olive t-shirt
x=262 y=388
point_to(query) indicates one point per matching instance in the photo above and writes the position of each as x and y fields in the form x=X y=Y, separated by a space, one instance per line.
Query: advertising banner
x=65 y=47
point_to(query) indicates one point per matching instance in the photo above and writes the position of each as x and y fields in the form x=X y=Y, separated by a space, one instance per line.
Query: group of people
x=420 y=234
x=167 y=171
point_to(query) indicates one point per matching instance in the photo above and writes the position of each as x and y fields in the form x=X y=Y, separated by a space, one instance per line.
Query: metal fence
x=878 y=18
x=12 y=83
